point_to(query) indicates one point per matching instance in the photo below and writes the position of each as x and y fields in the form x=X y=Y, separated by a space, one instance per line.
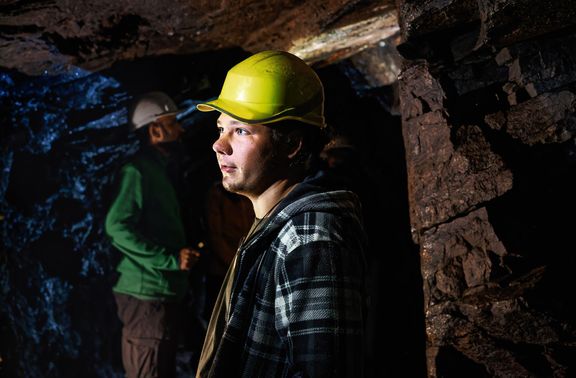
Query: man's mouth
x=227 y=168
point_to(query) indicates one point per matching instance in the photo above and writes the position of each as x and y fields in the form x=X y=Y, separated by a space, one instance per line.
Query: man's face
x=170 y=129
x=245 y=155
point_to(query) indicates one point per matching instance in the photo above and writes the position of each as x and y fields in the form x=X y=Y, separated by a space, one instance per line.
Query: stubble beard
x=234 y=184
x=252 y=185
x=229 y=186
x=259 y=179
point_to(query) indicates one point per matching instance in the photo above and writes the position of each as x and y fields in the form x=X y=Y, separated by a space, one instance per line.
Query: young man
x=292 y=303
x=145 y=225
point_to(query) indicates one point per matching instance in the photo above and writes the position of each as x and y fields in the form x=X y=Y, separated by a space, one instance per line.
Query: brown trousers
x=149 y=336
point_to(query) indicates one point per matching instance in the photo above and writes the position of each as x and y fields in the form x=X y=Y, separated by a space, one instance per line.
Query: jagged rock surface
x=488 y=105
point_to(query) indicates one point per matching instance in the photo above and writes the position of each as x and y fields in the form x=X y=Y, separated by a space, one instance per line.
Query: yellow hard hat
x=268 y=87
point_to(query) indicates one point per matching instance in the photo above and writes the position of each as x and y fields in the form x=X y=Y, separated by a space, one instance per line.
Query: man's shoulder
x=140 y=161
x=132 y=165
x=339 y=202
x=321 y=214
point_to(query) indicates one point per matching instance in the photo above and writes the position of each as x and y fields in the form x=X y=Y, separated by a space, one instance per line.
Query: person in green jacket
x=145 y=224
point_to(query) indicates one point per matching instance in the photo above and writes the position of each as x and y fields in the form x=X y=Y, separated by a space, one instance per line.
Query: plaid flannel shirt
x=297 y=305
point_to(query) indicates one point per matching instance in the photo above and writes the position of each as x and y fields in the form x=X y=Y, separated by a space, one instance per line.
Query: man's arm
x=122 y=225
x=321 y=312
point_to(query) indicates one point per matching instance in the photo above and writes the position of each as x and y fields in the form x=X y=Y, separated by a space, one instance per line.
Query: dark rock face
x=488 y=99
x=55 y=258
x=449 y=174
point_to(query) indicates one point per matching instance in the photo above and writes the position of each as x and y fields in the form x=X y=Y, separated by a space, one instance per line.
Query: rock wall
x=487 y=96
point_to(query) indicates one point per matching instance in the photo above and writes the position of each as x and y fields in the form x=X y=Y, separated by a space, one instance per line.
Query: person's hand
x=188 y=258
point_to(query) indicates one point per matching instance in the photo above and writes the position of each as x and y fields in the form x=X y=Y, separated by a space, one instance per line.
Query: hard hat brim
x=251 y=117
x=241 y=113
x=176 y=112
x=154 y=118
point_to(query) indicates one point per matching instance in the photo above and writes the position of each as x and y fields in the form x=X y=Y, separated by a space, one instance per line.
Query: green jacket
x=145 y=224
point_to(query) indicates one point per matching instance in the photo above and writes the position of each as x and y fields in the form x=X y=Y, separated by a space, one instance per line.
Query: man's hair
x=142 y=135
x=313 y=141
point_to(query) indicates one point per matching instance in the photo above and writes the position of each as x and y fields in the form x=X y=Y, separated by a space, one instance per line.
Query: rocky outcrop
x=487 y=95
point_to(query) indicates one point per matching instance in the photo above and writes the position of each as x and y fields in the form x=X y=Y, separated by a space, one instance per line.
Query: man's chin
x=228 y=185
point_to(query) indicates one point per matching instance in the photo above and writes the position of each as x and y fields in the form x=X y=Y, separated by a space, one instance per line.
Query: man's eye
x=241 y=132
x=220 y=130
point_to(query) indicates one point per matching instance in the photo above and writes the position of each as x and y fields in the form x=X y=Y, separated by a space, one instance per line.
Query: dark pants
x=149 y=336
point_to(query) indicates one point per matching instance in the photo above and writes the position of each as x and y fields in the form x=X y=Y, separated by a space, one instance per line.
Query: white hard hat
x=148 y=107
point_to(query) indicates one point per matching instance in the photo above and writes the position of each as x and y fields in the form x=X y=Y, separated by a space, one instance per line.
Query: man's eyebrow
x=233 y=122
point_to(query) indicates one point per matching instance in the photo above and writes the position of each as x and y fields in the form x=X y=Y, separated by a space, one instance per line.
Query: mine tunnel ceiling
x=37 y=37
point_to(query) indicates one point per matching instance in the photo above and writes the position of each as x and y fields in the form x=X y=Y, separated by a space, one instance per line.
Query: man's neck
x=265 y=202
x=158 y=147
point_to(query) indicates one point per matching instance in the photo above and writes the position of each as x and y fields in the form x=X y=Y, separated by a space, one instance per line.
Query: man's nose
x=221 y=146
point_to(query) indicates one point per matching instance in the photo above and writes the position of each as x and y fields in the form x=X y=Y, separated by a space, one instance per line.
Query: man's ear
x=155 y=132
x=294 y=145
